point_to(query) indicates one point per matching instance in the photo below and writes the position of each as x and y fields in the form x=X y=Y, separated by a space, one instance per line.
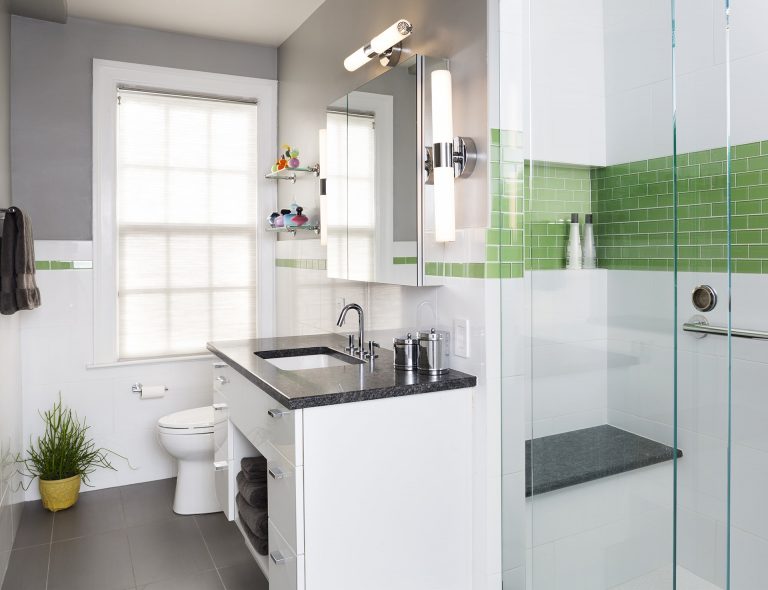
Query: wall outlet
x=461 y=338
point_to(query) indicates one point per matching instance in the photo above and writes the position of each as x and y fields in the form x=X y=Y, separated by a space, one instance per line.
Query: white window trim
x=108 y=76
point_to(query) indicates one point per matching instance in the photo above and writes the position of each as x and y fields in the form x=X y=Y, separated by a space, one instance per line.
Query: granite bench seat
x=567 y=459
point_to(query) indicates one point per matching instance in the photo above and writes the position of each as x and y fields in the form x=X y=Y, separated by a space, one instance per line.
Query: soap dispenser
x=573 y=252
x=589 y=256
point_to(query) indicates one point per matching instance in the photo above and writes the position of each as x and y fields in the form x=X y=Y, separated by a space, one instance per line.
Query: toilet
x=188 y=437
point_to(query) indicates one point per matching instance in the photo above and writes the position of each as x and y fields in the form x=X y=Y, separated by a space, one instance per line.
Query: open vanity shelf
x=292 y=173
x=292 y=230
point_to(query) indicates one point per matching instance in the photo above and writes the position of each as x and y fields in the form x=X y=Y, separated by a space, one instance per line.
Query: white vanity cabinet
x=372 y=495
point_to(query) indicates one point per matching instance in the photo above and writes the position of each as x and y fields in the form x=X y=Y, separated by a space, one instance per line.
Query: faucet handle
x=350 y=343
x=372 y=346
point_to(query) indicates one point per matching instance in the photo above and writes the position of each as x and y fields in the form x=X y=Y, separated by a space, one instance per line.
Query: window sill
x=150 y=361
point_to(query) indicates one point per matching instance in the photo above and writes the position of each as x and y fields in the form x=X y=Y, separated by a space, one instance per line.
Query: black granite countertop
x=332 y=385
x=570 y=458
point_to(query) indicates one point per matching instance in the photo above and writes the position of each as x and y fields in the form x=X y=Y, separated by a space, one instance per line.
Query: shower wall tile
x=634 y=212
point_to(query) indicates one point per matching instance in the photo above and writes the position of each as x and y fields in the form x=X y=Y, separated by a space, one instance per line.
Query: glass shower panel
x=742 y=50
x=588 y=353
x=702 y=267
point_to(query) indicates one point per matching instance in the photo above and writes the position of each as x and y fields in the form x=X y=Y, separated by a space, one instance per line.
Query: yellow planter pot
x=60 y=494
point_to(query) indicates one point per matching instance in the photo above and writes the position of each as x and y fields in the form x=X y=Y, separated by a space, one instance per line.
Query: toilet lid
x=194 y=418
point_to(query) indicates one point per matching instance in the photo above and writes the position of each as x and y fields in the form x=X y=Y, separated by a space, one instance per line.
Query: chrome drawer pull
x=222 y=379
x=278 y=558
x=276 y=413
x=220 y=406
x=220 y=365
x=277 y=473
x=220 y=465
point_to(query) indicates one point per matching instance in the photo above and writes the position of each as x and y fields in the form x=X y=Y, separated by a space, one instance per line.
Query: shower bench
x=562 y=460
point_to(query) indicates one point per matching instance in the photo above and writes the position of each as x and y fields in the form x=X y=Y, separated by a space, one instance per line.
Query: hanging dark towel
x=255 y=493
x=254 y=519
x=254 y=468
x=18 y=289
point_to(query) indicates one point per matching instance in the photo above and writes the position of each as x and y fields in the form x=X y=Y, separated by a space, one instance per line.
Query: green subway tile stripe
x=302 y=263
x=474 y=270
x=63 y=264
x=634 y=212
x=504 y=237
x=405 y=260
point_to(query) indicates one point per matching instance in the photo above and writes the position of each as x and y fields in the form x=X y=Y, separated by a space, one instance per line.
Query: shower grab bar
x=705 y=328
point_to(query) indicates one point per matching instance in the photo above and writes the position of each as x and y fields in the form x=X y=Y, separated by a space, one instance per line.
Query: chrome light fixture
x=451 y=156
x=387 y=46
x=321 y=137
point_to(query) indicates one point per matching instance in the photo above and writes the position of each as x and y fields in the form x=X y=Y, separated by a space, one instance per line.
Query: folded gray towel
x=254 y=519
x=255 y=493
x=260 y=544
x=18 y=289
x=254 y=468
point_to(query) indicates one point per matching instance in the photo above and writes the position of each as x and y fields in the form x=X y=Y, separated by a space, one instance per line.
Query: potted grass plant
x=63 y=457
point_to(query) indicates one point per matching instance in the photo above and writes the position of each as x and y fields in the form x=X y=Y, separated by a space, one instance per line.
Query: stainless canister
x=406 y=353
x=433 y=352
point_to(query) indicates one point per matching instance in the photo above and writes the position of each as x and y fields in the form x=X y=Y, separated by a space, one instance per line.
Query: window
x=187 y=223
x=179 y=192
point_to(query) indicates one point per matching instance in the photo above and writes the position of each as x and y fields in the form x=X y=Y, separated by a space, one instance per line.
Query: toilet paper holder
x=138 y=387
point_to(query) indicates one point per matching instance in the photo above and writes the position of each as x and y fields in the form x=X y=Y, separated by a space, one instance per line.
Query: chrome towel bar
x=703 y=327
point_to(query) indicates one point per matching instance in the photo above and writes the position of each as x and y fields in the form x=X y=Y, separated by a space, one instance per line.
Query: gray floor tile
x=245 y=575
x=98 y=511
x=27 y=569
x=148 y=502
x=166 y=549
x=201 y=581
x=98 y=562
x=223 y=538
x=35 y=525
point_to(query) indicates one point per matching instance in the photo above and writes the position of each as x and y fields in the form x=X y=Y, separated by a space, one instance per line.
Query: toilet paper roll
x=152 y=391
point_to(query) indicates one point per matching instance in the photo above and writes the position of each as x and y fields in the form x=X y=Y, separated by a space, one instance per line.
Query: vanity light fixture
x=451 y=156
x=387 y=46
x=322 y=146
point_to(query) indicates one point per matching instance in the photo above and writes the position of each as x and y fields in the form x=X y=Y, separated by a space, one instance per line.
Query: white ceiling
x=253 y=21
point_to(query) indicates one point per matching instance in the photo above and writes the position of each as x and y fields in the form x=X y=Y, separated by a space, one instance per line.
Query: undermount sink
x=300 y=359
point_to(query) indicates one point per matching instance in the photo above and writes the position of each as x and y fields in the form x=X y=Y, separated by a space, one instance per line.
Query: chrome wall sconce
x=387 y=46
x=449 y=158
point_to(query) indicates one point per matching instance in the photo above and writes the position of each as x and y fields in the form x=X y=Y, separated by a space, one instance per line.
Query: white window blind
x=361 y=175
x=186 y=221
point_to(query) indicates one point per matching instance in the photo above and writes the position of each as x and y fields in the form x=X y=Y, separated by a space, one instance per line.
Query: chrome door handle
x=220 y=406
x=278 y=558
x=277 y=473
x=222 y=379
x=277 y=413
x=220 y=465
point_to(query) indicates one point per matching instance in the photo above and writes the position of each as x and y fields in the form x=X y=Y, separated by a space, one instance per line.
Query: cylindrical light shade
x=392 y=36
x=357 y=59
x=445 y=205
x=442 y=107
x=322 y=153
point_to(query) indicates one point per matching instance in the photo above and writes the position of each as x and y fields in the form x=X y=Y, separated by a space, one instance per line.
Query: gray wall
x=51 y=72
x=312 y=75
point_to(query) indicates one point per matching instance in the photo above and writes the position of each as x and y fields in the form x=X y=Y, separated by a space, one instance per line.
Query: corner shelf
x=292 y=230
x=290 y=173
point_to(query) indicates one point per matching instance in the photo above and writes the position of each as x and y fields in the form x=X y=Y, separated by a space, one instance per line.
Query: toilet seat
x=193 y=421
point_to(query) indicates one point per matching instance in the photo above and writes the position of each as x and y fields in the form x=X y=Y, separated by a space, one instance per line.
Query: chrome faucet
x=360 y=350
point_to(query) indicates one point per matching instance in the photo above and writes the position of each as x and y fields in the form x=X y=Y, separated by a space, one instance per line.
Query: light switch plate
x=461 y=338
